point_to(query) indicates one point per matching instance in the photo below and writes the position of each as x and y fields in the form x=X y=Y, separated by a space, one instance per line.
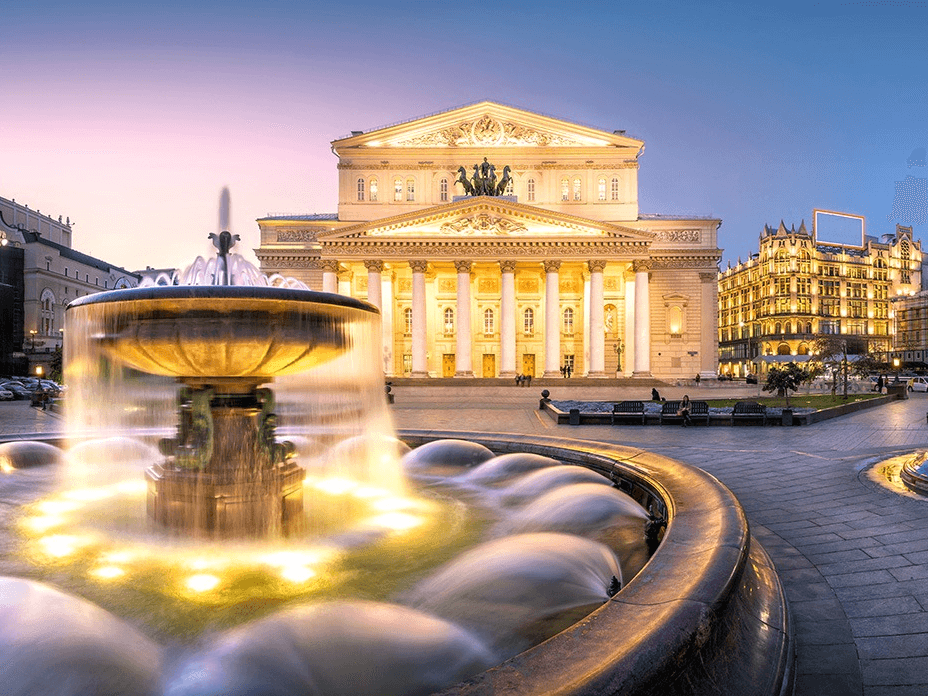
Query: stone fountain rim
x=222 y=292
x=708 y=592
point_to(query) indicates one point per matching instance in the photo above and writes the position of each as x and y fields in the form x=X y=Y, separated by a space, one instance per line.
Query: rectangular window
x=601 y=194
x=614 y=189
x=398 y=190
x=531 y=189
x=565 y=190
x=410 y=189
x=443 y=190
x=577 y=189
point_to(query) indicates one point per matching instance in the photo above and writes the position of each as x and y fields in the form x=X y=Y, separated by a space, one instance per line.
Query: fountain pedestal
x=226 y=475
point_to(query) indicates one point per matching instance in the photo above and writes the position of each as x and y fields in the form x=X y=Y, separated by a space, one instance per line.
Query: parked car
x=6 y=395
x=19 y=391
x=918 y=384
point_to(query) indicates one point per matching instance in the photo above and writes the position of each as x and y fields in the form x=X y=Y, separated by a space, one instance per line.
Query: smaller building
x=39 y=274
x=796 y=288
x=910 y=319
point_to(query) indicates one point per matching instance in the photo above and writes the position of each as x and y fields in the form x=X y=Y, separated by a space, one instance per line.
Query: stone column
x=597 y=324
x=642 y=320
x=374 y=271
x=329 y=275
x=586 y=325
x=628 y=332
x=709 y=324
x=387 y=319
x=464 y=366
x=552 y=319
x=419 y=343
x=344 y=282
x=507 y=320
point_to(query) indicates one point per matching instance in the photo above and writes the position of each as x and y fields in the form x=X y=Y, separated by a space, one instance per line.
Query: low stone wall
x=707 y=613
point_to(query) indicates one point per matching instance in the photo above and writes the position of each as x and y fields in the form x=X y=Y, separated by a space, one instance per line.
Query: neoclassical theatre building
x=497 y=242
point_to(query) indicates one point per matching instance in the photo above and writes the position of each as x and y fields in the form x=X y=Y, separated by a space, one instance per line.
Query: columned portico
x=507 y=320
x=419 y=342
x=597 y=333
x=464 y=366
x=552 y=319
x=642 y=320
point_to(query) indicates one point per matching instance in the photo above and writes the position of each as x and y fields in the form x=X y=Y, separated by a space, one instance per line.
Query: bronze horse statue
x=504 y=181
x=462 y=179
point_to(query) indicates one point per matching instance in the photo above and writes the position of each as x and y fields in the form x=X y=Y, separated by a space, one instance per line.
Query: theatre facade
x=497 y=242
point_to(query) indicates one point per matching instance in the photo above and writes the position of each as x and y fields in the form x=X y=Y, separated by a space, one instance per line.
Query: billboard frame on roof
x=863 y=228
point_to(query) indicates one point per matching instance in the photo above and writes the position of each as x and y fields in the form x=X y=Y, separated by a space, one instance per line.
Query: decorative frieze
x=312 y=262
x=688 y=236
x=528 y=286
x=613 y=249
x=297 y=235
x=675 y=262
x=447 y=286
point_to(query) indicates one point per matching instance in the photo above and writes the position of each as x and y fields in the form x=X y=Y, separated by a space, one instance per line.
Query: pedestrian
x=697 y=379
x=684 y=410
x=569 y=370
x=655 y=395
x=879 y=384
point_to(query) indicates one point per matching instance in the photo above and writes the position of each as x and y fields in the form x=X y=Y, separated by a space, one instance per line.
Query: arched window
x=373 y=190
x=783 y=349
x=577 y=188
x=569 y=321
x=397 y=189
x=565 y=190
x=488 y=322
x=410 y=189
x=449 y=321
x=601 y=188
x=531 y=189
x=443 y=190
x=803 y=349
x=47 y=312
x=614 y=189
x=407 y=321
x=528 y=322
x=360 y=189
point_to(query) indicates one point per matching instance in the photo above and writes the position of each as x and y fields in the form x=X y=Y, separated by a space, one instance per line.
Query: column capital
x=552 y=265
x=708 y=276
x=463 y=266
x=330 y=265
x=419 y=265
x=375 y=265
x=597 y=265
x=641 y=265
x=507 y=265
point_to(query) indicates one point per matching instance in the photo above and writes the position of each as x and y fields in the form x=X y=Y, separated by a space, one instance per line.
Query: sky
x=131 y=118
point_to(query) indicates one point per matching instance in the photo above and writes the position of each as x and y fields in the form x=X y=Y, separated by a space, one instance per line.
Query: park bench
x=748 y=411
x=632 y=411
x=699 y=412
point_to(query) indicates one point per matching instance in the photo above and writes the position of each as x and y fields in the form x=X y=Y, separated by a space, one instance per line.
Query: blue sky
x=131 y=119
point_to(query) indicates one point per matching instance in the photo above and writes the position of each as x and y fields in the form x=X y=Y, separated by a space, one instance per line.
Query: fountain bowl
x=211 y=334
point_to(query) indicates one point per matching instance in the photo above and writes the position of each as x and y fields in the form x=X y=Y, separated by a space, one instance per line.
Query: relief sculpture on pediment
x=487 y=131
x=482 y=224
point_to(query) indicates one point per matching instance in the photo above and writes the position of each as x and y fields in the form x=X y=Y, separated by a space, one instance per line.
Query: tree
x=56 y=369
x=783 y=380
x=831 y=351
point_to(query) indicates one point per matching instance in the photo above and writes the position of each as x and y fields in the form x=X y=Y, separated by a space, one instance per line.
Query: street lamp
x=896 y=364
x=32 y=333
x=619 y=348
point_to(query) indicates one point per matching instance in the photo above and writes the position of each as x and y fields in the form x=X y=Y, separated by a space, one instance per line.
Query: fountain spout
x=224 y=241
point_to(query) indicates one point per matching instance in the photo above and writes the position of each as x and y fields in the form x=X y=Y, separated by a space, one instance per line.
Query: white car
x=919 y=384
x=6 y=395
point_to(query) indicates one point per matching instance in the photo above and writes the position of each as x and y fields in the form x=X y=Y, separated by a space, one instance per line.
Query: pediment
x=484 y=125
x=487 y=218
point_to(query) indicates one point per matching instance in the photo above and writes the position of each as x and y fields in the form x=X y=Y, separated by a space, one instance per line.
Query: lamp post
x=619 y=348
x=32 y=333
x=896 y=364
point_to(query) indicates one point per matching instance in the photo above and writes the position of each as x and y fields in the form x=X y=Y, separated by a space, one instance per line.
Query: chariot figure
x=462 y=179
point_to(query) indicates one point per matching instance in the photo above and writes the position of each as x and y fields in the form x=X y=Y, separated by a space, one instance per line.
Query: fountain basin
x=219 y=334
x=707 y=614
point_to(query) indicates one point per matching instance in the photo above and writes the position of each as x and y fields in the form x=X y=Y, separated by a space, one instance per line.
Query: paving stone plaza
x=851 y=548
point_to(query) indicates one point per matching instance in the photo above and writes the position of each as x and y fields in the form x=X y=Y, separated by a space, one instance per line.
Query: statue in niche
x=483 y=181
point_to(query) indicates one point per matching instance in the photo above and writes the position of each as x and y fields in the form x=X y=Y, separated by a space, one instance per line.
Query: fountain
x=240 y=564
